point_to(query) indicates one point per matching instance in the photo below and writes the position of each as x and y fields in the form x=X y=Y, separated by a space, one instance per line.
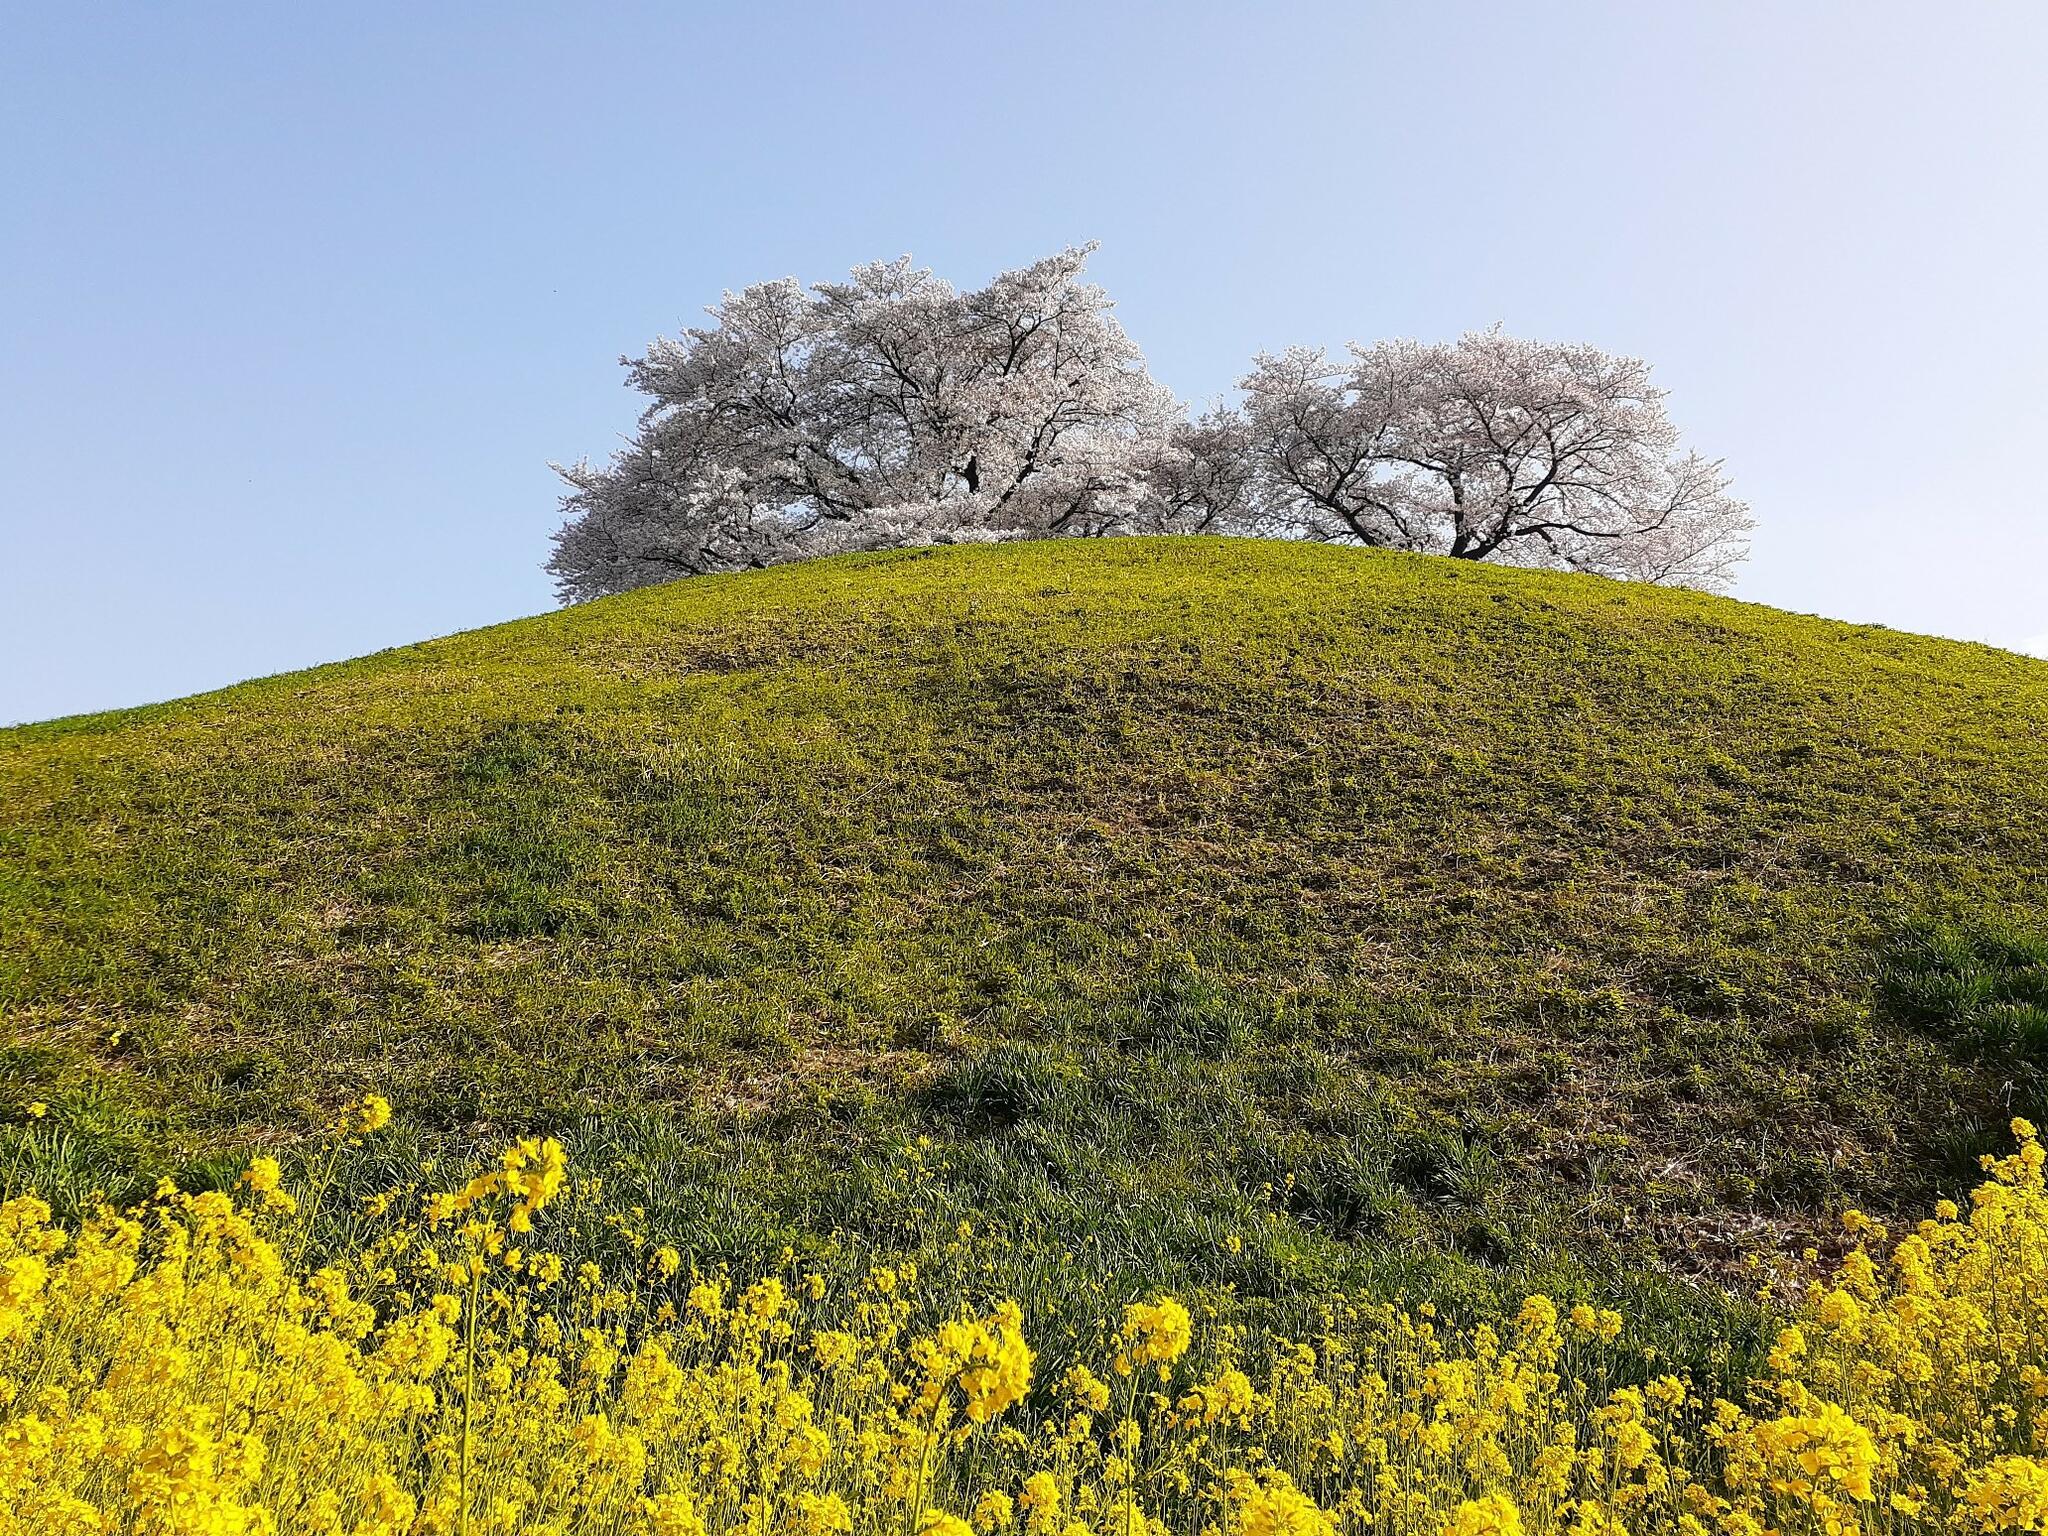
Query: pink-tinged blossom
x=886 y=410
x=1488 y=448
x=892 y=410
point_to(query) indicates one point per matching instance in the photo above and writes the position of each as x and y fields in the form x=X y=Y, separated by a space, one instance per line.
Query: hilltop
x=1497 y=920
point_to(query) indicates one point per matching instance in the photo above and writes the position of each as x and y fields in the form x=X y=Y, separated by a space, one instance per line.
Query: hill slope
x=1494 y=918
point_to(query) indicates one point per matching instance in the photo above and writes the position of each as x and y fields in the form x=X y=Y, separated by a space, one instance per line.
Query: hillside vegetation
x=1229 y=913
x=454 y=1374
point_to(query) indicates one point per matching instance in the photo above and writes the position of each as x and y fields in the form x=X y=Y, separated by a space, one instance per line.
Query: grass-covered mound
x=1230 y=912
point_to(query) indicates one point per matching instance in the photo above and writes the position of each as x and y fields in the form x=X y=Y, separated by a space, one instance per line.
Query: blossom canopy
x=893 y=409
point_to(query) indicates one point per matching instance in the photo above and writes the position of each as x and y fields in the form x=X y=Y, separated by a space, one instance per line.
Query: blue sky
x=297 y=303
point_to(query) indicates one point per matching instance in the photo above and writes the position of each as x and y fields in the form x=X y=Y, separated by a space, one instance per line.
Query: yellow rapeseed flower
x=2011 y=1494
x=169 y=1370
x=1493 y=1515
x=264 y=1179
x=1271 y=1505
x=1154 y=1333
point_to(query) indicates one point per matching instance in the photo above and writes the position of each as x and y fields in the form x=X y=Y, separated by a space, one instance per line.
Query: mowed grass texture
x=1413 y=923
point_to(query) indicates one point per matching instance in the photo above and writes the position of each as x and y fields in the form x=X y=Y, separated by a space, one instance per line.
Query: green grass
x=1531 y=925
x=1990 y=985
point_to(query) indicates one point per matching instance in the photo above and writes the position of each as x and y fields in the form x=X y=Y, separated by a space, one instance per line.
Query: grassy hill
x=1252 y=913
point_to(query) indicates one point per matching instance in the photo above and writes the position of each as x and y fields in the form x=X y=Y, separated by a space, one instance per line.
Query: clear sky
x=297 y=302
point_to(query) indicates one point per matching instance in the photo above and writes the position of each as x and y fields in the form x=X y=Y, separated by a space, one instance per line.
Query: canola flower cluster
x=173 y=1370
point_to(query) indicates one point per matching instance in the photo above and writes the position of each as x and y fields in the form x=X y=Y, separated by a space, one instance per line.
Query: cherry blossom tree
x=1488 y=448
x=1203 y=479
x=886 y=410
x=892 y=409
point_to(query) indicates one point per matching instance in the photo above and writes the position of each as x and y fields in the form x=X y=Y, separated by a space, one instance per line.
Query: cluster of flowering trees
x=892 y=410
